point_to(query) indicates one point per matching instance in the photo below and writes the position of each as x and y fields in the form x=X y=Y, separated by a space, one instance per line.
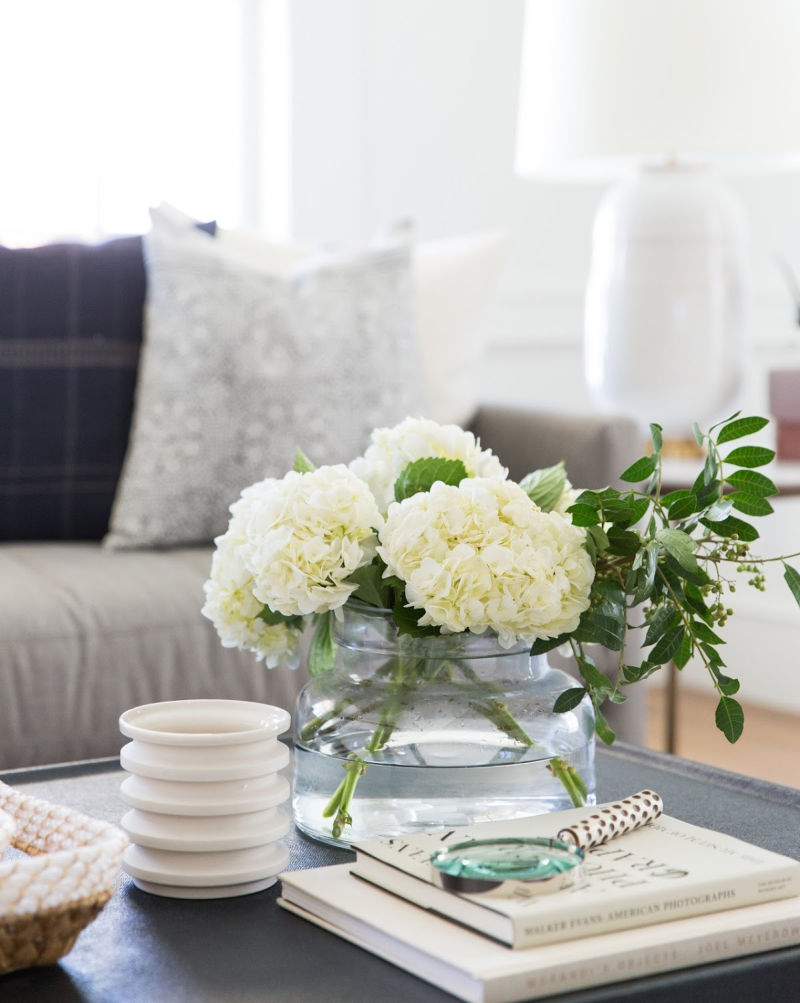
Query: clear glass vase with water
x=411 y=733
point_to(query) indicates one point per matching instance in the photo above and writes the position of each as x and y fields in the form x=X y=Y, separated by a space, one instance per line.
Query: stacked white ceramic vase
x=205 y=796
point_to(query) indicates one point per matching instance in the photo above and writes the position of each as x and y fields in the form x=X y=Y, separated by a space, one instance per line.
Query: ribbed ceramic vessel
x=206 y=797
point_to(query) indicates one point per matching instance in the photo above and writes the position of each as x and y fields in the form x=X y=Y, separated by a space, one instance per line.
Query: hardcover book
x=666 y=870
x=480 y=970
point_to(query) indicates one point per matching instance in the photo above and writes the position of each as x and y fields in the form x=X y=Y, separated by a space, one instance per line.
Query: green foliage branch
x=663 y=568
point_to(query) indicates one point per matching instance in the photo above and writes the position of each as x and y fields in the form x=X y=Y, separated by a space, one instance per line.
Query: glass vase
x=407 y=733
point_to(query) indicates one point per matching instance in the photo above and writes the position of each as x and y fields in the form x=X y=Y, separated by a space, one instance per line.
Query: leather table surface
x=159 y=950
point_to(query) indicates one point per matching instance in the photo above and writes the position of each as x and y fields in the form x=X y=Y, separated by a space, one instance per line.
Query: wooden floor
x=769 y=747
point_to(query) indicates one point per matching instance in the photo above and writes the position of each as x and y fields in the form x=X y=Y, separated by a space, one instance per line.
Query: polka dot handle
x=615 y=820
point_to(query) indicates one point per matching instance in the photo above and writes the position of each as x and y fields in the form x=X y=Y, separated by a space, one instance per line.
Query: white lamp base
x=667 y=302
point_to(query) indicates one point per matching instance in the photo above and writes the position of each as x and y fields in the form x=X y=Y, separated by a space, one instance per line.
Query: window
x=110 y=106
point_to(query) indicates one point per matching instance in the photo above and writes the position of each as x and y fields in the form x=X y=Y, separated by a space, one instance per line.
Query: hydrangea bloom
x=392 y=449
x=305 y=534
x=231 y=605
x=483 y=556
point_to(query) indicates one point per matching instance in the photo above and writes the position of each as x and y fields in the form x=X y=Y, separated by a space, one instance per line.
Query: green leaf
x=732 y=527
x=710 y=468
x=720 y=510
x=302 y=464
x=792 y=579
x=602 y=628
x=668 y=646
x=623 y=542
x=707 y=492
x=599 y=537
x=647 y=577
x=696 y=577
x=740 y=427
x=372 y=589
x=604 y=732
x=727 y=684
x=655 y=435
x=545 y=487
x=680 y=546
x=272 y=619
x=699 y=437
x=407 y=620
x=635 y=673
x=713 y=657
x=569 y=699
x=421 y=475
x=750 y=456
x=321 y=651
x=665 y=617
x=704 y=633
x=751 y=504
x=593 y=498
x=640 y=470
x=684 y=653
x=611 y=593
x=544 y=644
x=729 y=718
x=583 y=515
x=597 y=680
x=683 y=507
x=752 y=482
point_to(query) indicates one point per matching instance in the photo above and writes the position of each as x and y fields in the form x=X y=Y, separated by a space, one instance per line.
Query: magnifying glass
x=536 y=865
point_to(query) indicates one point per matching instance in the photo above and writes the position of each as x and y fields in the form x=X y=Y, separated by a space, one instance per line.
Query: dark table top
x=146 y=948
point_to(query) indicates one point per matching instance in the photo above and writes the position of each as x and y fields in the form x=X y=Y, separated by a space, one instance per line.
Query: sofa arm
x=594 y=448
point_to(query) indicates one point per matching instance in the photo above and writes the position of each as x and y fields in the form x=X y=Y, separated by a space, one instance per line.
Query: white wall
x=407 y=108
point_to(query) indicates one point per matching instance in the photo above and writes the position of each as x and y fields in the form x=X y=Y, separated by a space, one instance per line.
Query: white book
x=667 y=870
x=480 y=970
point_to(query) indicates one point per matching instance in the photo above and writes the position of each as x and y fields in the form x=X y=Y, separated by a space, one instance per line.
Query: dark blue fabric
x=70 y=336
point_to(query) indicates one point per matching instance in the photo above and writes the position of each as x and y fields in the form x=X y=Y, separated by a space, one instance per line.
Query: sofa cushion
x=70 y=332
x=453 y=280
x=240 y=366
x=70 y=337
x=86 y=633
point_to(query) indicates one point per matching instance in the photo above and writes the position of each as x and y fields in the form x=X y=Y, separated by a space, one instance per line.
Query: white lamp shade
x=609 y=83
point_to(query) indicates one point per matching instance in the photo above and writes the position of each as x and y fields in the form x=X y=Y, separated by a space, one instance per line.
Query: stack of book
x=668 y=896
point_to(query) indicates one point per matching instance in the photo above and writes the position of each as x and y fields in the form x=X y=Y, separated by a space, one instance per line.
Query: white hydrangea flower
x=483 y=556
x=305 y=534
x=392 y=449
x=231 y=605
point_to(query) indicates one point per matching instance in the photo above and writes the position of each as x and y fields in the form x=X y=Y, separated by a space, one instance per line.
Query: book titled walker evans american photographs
x=667 y=870
x=480 y=970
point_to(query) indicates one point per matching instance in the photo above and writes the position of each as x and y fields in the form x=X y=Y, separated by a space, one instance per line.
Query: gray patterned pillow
x=241 y=366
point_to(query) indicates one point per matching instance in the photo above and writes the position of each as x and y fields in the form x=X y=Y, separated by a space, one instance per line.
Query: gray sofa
x=87 y=631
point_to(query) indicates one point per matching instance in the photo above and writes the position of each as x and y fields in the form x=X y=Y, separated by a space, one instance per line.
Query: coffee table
x=146 y=948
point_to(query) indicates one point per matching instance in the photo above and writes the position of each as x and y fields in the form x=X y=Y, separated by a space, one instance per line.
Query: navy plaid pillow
x=70 y=335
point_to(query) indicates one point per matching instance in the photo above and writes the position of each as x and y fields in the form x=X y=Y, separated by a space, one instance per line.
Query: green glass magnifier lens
x=530 y=866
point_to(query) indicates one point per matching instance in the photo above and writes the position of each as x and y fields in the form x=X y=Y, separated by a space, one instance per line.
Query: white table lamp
x=661 y=94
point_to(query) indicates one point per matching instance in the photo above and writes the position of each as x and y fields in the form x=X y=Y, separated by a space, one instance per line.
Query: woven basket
x=49 y=896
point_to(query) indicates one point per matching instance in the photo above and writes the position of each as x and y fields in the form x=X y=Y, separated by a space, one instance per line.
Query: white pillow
x=453 y=282
x=241 y=365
